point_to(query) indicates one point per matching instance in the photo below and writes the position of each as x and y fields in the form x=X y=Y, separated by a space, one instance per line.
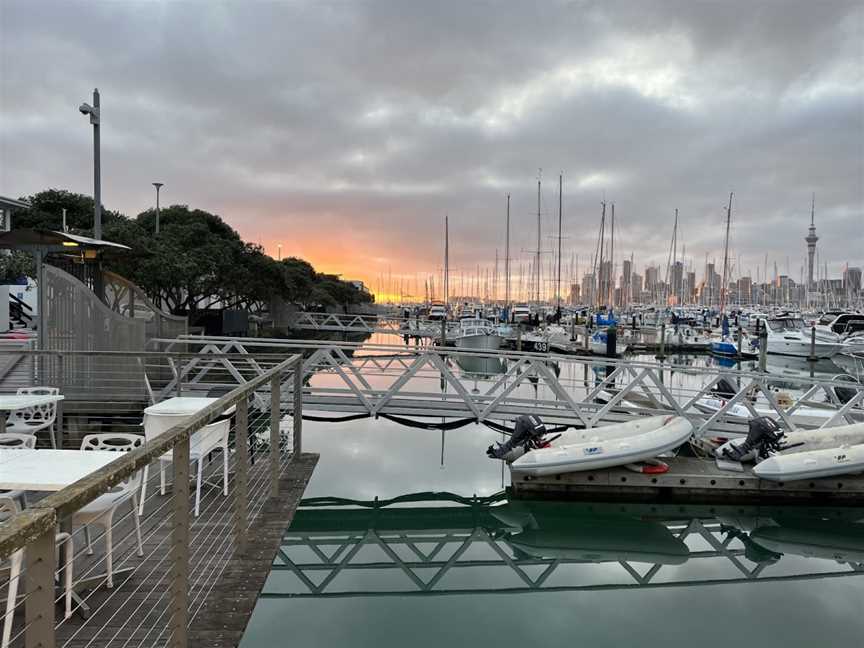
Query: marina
x=383 y=324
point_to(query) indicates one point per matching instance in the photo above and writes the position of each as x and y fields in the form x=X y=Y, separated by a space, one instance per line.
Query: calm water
x=617 y=576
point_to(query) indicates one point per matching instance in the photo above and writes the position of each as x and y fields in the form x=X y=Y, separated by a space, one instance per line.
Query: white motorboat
x=607 y=446
x=521 y=313
x=804 y=415
x=789 y=336
x=477 y=334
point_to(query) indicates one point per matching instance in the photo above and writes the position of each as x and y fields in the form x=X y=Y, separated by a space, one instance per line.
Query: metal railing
x=168 y=576
x=494 y=386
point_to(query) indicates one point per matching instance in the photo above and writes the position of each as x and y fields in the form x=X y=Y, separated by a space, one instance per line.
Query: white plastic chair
x=203 y=442
x=31 y=420
x=8 y=508
x=100 y=512
x=16 y=441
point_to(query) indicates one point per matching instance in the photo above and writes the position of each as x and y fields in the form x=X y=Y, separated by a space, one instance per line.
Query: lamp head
x=87 y=109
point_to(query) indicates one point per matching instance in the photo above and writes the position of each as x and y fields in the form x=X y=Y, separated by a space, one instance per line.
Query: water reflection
x=433 y=546
x=480 y=367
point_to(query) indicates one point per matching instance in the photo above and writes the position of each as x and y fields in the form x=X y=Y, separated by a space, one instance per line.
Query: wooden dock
x=688 y=479
x=224 y=584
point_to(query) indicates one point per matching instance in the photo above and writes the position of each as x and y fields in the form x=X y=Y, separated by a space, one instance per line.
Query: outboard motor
x=527 y=435
x=724 y=389
x=763 y=436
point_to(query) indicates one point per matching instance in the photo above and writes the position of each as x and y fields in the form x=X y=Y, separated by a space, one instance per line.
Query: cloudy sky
x=346 y=130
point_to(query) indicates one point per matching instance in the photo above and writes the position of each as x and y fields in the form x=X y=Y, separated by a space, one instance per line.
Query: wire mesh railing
x=93 y=564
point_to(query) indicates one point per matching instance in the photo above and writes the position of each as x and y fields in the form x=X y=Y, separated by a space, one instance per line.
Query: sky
x=346 y=131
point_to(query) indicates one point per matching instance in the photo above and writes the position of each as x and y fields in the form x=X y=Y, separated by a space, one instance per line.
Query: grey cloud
x=375 y=119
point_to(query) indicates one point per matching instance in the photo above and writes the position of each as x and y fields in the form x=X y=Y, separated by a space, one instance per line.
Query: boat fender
x=649 y=467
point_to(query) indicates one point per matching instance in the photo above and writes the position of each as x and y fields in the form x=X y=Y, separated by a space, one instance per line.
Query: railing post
x=298 y=407
x=179 y=364
x=812 y=343
x=180 y=547
x=58 y=423
x=274 y=435
x=39 y=605
x=241 y=469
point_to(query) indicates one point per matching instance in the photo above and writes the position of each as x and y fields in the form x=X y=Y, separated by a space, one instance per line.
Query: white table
x=54 y=470
x=162 y=416
x=49 y=470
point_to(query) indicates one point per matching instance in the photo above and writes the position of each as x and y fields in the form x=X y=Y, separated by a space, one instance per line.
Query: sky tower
x=811 y=239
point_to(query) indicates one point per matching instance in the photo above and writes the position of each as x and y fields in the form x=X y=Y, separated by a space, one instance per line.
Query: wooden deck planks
x=224 y=585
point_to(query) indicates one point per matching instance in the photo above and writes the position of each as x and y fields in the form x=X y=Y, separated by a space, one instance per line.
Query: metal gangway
x=365 y=324
x=442 y=383
x=443 y=544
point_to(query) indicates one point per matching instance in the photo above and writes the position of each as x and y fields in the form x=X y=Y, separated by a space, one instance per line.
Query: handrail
x=24 y=304
x=34 y=528
x=77 y=495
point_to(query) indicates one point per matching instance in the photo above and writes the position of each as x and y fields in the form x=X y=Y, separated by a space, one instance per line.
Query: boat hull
x=607 y=447
x=479 y=342
x=814 y=464
x=800 y=348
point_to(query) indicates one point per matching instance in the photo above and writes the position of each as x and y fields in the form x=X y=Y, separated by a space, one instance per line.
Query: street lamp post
x=158 y=186
x=93 y=111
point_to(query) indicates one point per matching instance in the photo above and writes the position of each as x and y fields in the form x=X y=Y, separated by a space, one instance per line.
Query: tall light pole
x=93 y=111
x=158 y=186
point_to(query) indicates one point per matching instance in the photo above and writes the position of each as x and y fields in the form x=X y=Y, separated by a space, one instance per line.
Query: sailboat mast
x=612 y=261
x=537 y=258
x=599 y=274
x=560 y=211
x=724 y=287
x=507 y=258
x=446 y=261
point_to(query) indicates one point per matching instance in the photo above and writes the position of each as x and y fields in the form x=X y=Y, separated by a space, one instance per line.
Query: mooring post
x=763 y=350
x=241 y=471
x=274 y=435
x=812 y=343
x=740 y=341
x=180 y=547
x=519 y=337
x=662 y=354
x=443 y=332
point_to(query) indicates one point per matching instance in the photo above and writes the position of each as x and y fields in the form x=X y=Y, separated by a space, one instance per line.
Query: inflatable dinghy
x=607 y=446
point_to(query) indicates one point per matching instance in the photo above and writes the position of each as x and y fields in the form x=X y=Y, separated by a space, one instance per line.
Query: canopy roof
x=23 y=239
x=12 y=203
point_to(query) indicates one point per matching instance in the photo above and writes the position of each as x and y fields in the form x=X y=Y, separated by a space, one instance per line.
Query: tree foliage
x=196 y=261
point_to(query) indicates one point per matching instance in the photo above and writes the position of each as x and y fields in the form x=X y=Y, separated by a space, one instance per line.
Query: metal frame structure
x=427 y=382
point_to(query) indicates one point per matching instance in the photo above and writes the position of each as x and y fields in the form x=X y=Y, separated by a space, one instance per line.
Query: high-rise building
x=588 y=296
x=651 y=283
x=626 y=272
x=574 y=294
x=852 y=281
x=811 y=239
